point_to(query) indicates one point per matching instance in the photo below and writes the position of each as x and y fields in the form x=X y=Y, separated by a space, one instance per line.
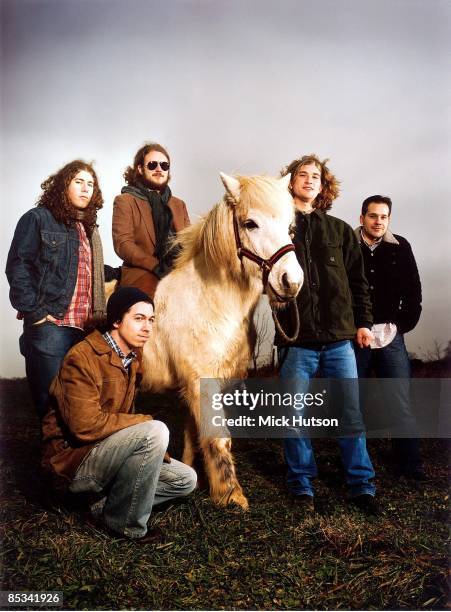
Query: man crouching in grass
x=92 y=436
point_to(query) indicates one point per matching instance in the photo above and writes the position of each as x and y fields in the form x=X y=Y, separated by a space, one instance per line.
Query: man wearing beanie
x=92 y=436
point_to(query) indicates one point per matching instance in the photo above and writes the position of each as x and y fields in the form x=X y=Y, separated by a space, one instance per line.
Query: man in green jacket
x=334 y=308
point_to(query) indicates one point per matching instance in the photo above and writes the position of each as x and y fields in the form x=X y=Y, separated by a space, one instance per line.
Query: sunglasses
x=152 y=165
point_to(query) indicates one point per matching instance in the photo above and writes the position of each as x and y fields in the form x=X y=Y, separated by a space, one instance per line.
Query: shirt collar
x=126 y=359
x=370 y=245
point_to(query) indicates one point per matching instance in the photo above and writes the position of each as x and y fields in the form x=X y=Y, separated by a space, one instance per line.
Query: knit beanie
x=121 y=300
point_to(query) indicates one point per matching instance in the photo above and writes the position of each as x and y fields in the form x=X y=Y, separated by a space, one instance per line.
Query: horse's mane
x=213 y=237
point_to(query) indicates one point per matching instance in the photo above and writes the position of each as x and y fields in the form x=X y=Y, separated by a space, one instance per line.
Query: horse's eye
x=249 y=224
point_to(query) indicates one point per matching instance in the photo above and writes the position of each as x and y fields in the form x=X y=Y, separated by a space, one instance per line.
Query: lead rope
x=278 y=326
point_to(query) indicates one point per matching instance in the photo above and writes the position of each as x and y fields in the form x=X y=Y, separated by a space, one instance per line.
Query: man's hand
x=166 y=458
x=364 y=337
x=46 y=318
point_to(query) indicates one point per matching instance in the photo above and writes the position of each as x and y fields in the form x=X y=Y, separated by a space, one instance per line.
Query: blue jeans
x=392 y=361
x=334 y=360
x=44 y=347
x=128 y=468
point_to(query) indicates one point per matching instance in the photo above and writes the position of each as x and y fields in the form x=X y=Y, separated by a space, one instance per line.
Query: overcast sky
x=235 y=86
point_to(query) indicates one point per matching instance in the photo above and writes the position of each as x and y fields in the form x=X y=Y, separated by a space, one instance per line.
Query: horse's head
x=263 y=211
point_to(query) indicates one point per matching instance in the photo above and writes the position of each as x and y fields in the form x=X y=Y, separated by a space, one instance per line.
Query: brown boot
x=153 y=536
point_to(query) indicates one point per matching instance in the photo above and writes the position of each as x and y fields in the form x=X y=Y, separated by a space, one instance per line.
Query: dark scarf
x=162 y=222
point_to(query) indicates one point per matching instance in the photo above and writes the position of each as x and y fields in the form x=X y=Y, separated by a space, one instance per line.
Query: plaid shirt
x=79 y=310
x=126 y=359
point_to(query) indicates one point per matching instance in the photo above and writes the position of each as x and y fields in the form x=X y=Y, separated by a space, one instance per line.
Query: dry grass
x=272 y=557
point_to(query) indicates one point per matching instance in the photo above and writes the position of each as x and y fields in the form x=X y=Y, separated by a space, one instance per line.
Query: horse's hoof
x=234 y=497
x=240 y=500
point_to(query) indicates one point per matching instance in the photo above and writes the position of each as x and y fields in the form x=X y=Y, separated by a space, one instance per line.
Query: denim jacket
x=42 y=266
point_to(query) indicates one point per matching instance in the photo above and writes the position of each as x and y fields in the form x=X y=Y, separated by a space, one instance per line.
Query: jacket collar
x=98 y=343
x=387 y=237
x=315 y=211
x=101 y=347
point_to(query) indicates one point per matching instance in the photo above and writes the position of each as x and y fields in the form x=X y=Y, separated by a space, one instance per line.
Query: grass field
x=272 y=557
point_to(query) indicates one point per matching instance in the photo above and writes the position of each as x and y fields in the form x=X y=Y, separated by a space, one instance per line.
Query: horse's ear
x=285 y=180
x=231 y=184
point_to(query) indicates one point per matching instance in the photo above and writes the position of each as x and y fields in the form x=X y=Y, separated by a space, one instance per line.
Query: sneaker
x=366 y=503
x=303 y=501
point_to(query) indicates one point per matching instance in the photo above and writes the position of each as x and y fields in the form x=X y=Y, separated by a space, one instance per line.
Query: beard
x=152 y=185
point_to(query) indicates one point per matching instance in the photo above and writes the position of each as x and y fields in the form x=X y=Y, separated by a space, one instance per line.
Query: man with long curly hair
x=146 y=217
x=334 y=308
x=55 y=272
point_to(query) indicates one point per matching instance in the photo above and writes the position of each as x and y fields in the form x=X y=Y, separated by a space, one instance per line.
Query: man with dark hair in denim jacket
x=55 y=272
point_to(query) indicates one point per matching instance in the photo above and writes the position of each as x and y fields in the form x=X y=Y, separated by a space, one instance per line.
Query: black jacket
x=395 y=287
x=334 y=298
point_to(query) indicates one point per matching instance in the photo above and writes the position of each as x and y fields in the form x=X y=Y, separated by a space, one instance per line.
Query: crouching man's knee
x=156 y=433
x=185 y=481
x=189 y=479
x=176 y=480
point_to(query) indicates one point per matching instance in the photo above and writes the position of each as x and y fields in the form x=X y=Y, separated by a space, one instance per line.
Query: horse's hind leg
x=219 y=466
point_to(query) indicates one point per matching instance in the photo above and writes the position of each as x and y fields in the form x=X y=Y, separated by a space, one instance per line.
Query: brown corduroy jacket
x=134 y=238
x=91 y=398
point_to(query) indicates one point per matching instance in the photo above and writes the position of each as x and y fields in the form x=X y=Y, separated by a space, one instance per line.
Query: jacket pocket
x=53 y=240
x=338 y=314
x=54 y=251
x=332 y=254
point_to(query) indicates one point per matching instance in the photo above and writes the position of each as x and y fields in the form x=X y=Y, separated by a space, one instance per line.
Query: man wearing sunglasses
x=146 y=216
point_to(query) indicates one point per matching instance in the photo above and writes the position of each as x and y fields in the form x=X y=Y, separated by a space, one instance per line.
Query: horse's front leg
x=218 y=461
x=220 y=468
x=190 y=435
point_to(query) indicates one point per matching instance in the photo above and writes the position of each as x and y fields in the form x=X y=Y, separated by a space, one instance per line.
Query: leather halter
x=265 y=264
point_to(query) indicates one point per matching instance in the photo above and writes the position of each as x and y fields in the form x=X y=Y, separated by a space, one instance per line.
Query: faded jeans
x=334 y=360
x=128 y=467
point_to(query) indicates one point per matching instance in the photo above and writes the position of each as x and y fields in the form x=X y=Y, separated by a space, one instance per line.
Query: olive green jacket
x=334 y=299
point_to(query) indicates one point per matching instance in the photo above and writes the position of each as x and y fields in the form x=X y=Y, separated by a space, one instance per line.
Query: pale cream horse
x=204 y=307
